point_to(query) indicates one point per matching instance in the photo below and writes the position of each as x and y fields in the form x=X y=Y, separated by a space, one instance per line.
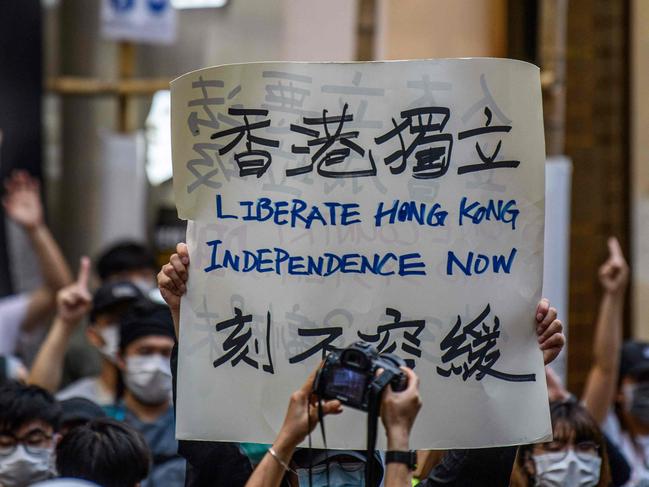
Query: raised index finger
x=84 y=272
x=614 y=249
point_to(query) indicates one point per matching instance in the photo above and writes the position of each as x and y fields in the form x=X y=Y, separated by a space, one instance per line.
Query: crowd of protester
x=115 y=427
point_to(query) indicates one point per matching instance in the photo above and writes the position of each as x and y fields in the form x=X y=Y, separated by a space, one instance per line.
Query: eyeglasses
x=33 y=441
x=583 y=449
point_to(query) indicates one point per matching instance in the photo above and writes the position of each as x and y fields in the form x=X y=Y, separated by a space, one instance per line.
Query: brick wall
x=597 y=140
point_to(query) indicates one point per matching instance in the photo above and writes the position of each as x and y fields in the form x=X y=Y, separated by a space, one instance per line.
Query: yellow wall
x=640 y=166
x=410 y=29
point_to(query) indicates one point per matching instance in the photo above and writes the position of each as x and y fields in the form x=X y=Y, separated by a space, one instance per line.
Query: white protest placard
x=148 y=21
x=401 y=203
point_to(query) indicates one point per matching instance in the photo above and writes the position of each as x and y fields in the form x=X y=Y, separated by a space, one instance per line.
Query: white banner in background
x=401 y=203
x=123 y=187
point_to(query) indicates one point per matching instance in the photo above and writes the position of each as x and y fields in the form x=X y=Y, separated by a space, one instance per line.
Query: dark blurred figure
x=78 y=411
x=104 y=451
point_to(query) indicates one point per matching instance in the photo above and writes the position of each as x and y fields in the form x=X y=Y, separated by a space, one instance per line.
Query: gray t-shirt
x=168 y=467
x=13 y=310
x=89 y=388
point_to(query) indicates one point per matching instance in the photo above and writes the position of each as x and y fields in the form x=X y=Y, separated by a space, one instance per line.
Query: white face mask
x=24 y=467
x=349 y=475
x=561 y=469
x=110 y=336
x=148 y=377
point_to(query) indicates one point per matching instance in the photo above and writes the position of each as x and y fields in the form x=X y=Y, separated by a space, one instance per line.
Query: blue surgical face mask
x=340 y=475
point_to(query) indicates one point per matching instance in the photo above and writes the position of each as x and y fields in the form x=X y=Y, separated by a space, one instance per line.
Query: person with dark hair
x=576 y=456
x=146 y=343
x=109 y=303
x=104 y=451
x=29 y=421
x=398 y=413
x=127 y=261
x=20 y=314
x=78 y=411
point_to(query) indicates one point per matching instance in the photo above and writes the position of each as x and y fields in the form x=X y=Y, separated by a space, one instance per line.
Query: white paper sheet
x=458 y=145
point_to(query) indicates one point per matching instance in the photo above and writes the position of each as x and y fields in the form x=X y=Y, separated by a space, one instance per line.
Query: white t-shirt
x=638 y=460
x=13 y=310
x=89 y=388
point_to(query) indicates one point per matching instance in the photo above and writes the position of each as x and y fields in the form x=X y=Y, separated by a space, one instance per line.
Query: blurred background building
x=83 y=111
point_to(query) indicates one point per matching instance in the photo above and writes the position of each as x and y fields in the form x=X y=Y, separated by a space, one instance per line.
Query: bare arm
x=23 y=205
x=73 y=302
x=398 y=413
x=601 y=383
x=301 y=414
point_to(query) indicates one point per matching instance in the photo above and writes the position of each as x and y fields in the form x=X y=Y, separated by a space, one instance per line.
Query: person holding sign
x=172 y=281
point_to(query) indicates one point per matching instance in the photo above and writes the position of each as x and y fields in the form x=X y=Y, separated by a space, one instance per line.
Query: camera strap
x=373 y=410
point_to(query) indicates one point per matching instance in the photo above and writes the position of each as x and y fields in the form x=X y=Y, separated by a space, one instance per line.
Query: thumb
x=84 y=272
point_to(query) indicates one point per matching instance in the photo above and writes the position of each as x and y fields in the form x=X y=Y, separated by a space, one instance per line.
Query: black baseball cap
x=112 y=294
x=80 y=409
x=145 y=318
x=634 y=360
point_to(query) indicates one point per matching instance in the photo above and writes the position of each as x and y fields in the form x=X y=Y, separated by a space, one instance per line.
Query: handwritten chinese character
x=388 y=344
x=488 y=159
x=251 y=161
x=325 y=155
x=432 y=148
x=236 y=345
x=471 y=350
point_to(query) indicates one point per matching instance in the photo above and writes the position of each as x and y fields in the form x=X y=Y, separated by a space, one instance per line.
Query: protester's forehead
x=132 y=274
x=29 y=426
x=111 y=315
x=562 y=430
x=150 y=341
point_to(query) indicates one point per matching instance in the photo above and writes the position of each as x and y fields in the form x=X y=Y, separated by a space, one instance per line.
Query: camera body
x=347 y=375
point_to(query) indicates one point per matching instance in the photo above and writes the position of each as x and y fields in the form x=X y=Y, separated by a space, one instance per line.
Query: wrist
x=67 y=324
x=34 y=228
x=398 y=439
x=284 y=447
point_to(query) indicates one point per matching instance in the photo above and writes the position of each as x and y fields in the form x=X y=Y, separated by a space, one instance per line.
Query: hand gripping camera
x=350 y=374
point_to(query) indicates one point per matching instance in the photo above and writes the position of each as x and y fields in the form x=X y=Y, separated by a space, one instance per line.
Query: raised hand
x=172 y=278
x=549 y=331
x=75 y=301
x=22 y=203
x=399 y=410
x=614 y=273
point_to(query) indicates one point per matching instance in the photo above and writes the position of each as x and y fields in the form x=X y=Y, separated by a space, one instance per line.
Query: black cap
x=145 y=318
x=634 y=360
x=80 y=409
x=111 y=294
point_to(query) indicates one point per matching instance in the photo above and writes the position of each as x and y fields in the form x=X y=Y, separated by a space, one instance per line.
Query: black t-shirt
x=211 y=464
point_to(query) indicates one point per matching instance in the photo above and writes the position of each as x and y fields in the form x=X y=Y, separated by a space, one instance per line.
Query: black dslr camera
x=348 y=375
